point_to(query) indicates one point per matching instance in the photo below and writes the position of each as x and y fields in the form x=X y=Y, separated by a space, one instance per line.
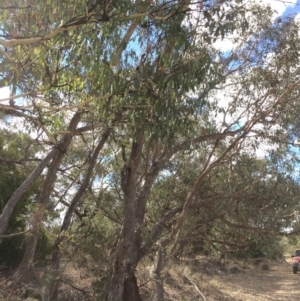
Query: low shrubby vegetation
x=133 y=149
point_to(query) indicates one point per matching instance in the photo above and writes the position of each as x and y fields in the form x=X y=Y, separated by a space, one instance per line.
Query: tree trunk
x=54 y=284
x=16 y=196
x=123 y=283
x=123 y=286
x=28 y=258
x=39 y=214
x=157 y=267
x=131 y=289
x=155 y=275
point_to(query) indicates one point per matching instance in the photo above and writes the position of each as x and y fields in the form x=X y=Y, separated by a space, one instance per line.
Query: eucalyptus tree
x=146 y=76
x=244 y=207
x=16 y=162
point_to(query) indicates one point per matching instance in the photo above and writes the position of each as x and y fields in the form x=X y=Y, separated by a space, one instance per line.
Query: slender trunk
x=54 y=285
x=157 y=228
x=157 y=267
x=118 y=53
x=143 y=197
x=39 y=214
x=155 y=275
x=16 y=196
x=28 y=258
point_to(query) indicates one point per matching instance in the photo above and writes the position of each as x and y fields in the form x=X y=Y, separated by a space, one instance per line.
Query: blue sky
x=292 y=9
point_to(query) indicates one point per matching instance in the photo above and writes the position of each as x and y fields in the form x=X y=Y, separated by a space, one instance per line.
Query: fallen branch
x=75 y=287
x=14 y=234
x=143 y=284
x=197 y=288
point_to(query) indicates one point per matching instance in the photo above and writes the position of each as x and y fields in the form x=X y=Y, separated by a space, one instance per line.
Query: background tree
x=142 y=88
x=16 y=160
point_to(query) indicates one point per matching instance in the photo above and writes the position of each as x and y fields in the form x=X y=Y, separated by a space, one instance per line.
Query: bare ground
x=212 y=281
x=198 y=279
x=277 y=284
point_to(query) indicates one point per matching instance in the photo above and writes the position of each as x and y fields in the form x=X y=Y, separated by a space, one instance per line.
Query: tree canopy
x=144 y=127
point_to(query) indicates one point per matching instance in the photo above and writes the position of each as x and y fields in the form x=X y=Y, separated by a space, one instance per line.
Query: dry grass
x=202 y=278
x=206 y=278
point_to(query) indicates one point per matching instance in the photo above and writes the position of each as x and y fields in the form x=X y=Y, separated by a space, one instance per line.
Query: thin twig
x=75 y=287
x=145 y=282
x=14 y=234
x=16 y=7
x=197 y=288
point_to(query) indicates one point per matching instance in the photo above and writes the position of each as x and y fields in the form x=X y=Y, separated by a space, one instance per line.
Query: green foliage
x=12 y=148
x=148 y=74
x=12 y=249
x=237 y=209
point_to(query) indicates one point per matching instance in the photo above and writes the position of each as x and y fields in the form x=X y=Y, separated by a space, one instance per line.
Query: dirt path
x=276 y=284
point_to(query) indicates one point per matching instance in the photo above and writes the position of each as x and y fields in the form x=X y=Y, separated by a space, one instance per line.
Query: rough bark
x=123 y=286
x=129 y=249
